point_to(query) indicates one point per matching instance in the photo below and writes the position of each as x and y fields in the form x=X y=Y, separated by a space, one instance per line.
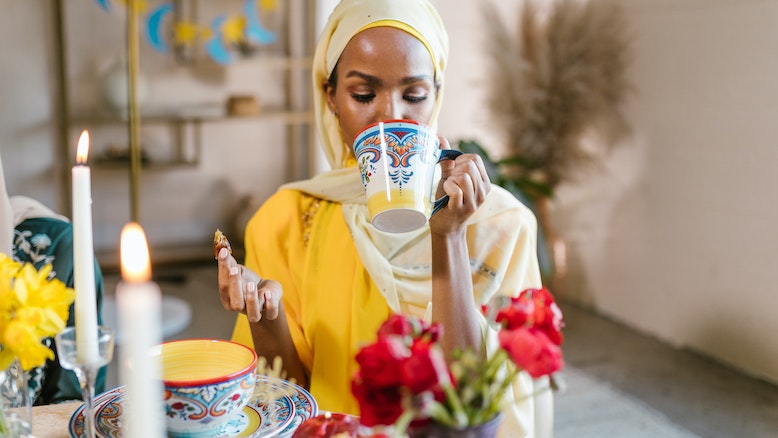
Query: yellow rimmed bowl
x=207 y=382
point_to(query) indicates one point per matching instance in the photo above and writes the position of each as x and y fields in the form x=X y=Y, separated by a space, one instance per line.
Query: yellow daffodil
x=22 y=340
x=32 y=308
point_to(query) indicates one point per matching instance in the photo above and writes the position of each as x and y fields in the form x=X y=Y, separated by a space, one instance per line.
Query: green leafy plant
x=514 y=173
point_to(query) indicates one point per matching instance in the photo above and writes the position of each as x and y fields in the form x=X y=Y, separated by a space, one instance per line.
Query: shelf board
x=280 y=61
x=113 y=165
x=265 y=60
x=269 y=114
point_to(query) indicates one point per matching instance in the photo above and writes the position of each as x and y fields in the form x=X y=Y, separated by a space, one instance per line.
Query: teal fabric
x=47 y=240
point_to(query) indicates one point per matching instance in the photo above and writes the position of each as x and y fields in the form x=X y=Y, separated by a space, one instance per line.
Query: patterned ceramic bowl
x=207 y=382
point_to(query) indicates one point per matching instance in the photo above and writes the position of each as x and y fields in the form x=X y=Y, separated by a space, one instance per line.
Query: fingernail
x=223 y=253
x=234 y=270
x=252 y=287
x=268 y=295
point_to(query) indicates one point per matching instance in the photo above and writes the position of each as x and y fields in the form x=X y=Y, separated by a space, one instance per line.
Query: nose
x=392 y=109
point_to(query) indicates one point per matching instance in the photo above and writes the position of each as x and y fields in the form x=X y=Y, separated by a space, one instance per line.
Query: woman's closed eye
x=415 y=98
x=368 y=97
x=363 y=97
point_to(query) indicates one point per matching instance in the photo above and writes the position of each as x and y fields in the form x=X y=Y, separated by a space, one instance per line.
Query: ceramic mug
x=398 y=161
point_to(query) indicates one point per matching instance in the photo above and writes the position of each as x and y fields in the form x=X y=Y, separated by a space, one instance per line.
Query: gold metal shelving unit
x=296 y=114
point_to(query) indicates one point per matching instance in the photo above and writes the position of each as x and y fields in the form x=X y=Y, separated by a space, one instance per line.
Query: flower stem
x=3 y=427
x=402 y=423
x=459 y=415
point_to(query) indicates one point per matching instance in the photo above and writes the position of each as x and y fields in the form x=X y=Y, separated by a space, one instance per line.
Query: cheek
x=352 y=120
x=422 y=114
x=349 y=130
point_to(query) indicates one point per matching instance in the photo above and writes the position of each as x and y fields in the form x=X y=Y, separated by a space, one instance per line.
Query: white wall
x=672 y=238
x=26 y=99
x=675 y=236
x=677 y=242
x=703 y=272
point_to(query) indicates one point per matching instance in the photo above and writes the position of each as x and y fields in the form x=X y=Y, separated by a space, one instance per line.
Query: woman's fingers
x=444 y=143
x=468 y=184
x=263 y=300
x=254 y=302
x=457 y=186
x=446 y=166
x=242 y=290
x=271 y=291
x=230 y=290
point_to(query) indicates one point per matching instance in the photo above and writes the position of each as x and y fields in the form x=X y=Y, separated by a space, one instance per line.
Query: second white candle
x=139 y=303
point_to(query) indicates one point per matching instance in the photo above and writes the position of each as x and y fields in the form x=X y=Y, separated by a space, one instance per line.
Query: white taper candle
x=84 y=257
x=139 y=302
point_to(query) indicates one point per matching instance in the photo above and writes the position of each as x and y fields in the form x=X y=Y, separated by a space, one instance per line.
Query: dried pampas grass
x=559 y=81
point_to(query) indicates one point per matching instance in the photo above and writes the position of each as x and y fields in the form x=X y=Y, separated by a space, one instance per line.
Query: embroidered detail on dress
x=307 y=218
x=483 y=269
x=35 y=247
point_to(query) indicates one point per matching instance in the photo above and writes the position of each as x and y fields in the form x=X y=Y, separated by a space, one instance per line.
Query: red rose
x=377 y=405
x=409 y=328
x=531 y=350
x=517 y=313
x=326 y=425
x=533 y=308
x=432 y=332
x=426 y=369
x=380 y=362
x=548 y=316
x=397 y=324
x=552 y=323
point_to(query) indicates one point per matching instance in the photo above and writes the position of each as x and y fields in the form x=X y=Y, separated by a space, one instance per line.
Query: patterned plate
x=304 y=403
x=258 y=419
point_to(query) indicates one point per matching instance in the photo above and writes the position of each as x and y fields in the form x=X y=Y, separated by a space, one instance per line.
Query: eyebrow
x=373 y=80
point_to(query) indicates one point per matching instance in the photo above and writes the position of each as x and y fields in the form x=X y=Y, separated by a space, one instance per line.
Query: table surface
x=51 y=421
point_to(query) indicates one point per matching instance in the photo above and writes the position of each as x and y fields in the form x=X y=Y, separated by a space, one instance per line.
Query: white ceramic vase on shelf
x=15 y=403
x=114 y=88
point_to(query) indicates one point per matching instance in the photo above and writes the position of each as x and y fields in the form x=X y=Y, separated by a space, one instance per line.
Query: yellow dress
x=332 y=306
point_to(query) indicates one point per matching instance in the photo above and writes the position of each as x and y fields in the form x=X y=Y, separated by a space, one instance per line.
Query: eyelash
x=367 y=98
x=363 y=98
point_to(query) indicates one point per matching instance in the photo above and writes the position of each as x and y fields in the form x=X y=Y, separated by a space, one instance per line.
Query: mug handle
x=445 y=154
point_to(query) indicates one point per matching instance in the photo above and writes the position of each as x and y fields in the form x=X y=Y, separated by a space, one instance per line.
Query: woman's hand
x=466 y=183
x=242 y=290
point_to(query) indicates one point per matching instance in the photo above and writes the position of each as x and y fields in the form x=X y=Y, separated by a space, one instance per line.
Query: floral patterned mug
x=398 y=161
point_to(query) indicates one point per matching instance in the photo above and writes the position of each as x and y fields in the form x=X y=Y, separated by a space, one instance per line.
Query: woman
x=318 y=279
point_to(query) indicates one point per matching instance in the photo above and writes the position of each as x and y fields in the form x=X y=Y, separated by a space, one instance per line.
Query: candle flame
x=83 y=147
x=134 y=254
